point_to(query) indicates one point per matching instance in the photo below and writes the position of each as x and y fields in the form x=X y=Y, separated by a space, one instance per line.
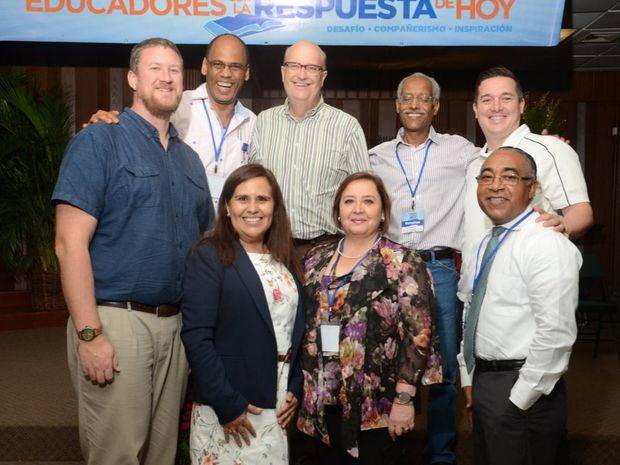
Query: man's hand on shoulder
x=551 y=220
x=102 y=116
x=98 y=359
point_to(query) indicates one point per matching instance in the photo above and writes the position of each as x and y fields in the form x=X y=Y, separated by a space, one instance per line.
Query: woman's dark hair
x=386 y=203
x=278 y=238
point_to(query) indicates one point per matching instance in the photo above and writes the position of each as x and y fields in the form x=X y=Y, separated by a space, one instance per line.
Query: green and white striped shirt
x=310 y=158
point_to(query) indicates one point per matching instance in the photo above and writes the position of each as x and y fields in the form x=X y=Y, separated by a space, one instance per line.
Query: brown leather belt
x=165 y=310
x=285 y=357
x=438 y=254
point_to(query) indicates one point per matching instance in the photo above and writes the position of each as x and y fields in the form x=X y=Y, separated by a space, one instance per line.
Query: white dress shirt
x=529 y=306
x=559 y=175
x=191 y=121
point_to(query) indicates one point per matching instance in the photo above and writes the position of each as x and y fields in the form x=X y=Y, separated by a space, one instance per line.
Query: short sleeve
x=560 y=176
x=82 y=178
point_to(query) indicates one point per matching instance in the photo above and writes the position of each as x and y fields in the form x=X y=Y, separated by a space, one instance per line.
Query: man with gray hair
x=131 y=199
x=426 y=174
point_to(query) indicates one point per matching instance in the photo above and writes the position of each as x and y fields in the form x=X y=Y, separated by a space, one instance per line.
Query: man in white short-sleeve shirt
x=498 y=105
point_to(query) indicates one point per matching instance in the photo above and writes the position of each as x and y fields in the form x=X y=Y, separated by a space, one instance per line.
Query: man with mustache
x=426 y=174
x=309 y=145
x=131 y=199
x=520 y=283
x=210 y=118
x=498 y=105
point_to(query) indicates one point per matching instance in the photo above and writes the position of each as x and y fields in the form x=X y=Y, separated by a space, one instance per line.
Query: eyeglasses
x=505 y=179
x=233 y=67
x=296 y=67
x=423 y=99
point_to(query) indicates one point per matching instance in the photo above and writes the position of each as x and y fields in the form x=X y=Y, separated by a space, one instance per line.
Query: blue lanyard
x=329 y=279
x=493 y=251
x=414 y=191
x=216 y=148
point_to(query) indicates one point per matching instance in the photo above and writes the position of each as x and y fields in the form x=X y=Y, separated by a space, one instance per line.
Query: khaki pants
x=133 y=420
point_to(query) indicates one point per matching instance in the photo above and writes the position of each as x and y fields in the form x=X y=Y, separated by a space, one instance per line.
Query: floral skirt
x=270 y=447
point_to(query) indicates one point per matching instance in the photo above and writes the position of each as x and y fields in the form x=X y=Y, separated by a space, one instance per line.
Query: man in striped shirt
x=309 y=145
x=425 y=172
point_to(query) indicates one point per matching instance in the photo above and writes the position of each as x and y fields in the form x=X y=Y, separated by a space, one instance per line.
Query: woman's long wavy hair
x=278 y=238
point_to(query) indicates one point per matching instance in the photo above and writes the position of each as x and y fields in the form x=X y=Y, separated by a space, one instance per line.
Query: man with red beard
x=131 y=199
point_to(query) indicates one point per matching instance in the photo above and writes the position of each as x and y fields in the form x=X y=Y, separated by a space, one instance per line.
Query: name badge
x=412 y=221
x=216 y=183
x=330 y=338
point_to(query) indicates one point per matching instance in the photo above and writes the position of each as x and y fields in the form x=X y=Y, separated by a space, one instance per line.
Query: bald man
x=309 y=145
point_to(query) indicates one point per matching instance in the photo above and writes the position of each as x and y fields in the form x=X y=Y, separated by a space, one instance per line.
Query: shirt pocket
x=143 y=185
x=195 y=187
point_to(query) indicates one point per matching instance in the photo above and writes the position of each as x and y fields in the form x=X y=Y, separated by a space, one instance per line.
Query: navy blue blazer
x=229 y=337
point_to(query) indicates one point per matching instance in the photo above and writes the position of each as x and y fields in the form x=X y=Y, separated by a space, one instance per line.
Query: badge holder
x=412 y=221
x=330 y=336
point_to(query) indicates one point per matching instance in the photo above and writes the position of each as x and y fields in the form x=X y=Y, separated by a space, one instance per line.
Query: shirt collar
x=200 y=93
x=513 y=140
x=432 y=135
x=524 y=213
x=144 y=126
x=310 y=114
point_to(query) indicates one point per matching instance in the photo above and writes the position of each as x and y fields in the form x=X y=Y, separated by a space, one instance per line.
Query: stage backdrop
x=327 y=22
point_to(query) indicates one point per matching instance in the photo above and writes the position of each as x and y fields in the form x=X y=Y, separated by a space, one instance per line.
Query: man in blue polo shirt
x=131 y=199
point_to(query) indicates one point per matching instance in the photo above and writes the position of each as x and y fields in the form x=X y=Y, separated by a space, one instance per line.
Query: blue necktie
x=471 y=319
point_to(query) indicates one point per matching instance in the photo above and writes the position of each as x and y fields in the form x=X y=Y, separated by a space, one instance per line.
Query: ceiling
x=595 y=45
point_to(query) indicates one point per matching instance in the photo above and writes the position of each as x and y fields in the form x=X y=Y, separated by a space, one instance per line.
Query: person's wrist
x=88 y=333
x=403 y=398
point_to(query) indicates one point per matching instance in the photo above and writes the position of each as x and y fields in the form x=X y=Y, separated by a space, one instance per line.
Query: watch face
x=87 y=334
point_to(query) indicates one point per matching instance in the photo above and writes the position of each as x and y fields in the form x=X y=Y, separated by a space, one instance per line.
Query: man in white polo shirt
x=498 y=105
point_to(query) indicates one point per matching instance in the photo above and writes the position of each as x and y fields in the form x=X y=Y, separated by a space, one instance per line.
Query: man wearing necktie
x=521 y=280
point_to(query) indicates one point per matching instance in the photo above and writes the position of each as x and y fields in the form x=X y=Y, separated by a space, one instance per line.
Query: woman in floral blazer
x=378 y=296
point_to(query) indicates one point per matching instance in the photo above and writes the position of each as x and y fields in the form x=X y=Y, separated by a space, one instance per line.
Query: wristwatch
x=403 y=398
x=88 y=333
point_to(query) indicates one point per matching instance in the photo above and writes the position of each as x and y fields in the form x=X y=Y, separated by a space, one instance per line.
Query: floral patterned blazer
x=386 y=303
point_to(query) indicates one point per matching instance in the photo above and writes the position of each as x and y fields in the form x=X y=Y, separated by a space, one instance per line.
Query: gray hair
x=434 y=85
x=531 y=163
x=136 y=51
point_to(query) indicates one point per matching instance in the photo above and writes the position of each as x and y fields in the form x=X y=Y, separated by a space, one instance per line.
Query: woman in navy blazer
x=242 y=325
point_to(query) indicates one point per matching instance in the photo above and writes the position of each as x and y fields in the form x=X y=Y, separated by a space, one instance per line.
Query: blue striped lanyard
x=414 y=191
x=493 y=251
x=216 y=148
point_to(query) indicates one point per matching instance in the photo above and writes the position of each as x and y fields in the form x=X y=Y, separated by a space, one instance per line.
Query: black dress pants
x=505 y=436
x=376 y=447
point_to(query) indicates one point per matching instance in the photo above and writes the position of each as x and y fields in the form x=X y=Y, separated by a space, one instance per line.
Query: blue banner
x=327 y=22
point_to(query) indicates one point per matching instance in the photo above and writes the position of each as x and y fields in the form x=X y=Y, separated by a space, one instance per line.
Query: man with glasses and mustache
x=520 y=283
x=426 y=174
x=309 y=145
x=210 y=118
